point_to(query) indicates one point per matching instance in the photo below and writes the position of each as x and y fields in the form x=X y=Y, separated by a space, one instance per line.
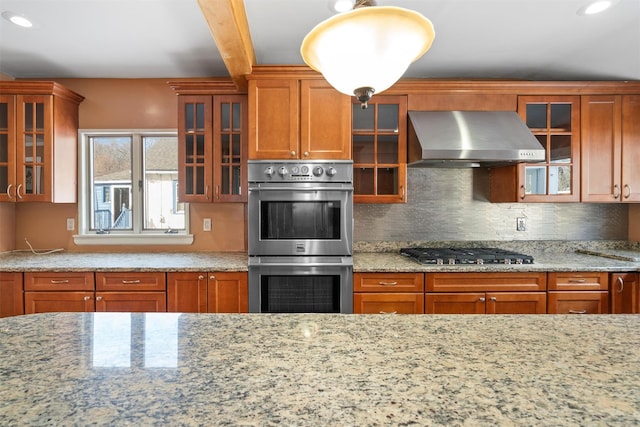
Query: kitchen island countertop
x=338 y=370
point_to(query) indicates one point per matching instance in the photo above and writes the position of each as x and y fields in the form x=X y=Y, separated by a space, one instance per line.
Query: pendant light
x=367 y=49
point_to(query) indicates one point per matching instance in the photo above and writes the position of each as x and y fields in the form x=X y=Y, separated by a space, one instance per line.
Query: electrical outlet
x=206 y=224
x=521 y=224
x=71 y=224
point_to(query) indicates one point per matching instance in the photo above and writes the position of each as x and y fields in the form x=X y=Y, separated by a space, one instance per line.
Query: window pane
x=111 y=172
x=161 y=210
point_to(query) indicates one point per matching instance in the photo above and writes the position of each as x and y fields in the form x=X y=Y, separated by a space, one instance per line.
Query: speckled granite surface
x=319 y=370
x=69 y=261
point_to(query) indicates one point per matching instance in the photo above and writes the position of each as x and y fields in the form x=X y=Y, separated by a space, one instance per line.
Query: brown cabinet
x=490 y=293
x=212 y=156
x=58 y=292
x=625 y=293
x=298 y=119
x=379 y=139
x=38 y=142
x=401 y=293
x=578 y=293
x=11 y=294
x=131 y=292
x=555 y=122
x=610 y=148
x=218 y=292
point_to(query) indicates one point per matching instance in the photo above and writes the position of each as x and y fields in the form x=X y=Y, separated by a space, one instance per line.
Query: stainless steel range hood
x=470 y=139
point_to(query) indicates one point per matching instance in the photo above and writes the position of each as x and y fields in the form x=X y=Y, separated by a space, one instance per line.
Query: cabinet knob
x=9 y=191
x=482 y=299
x=616 y=191
x=493 y=299
x=305 y=154
x=18 y=191
x=98 y=298
x=200 y=277
x=293 y=153
x=620 y=284
x=627 y=193
x=523 y=192
x=87 y=298
x=212 y=277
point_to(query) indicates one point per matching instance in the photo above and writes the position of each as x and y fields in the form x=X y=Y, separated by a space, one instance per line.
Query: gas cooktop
x=442 y=256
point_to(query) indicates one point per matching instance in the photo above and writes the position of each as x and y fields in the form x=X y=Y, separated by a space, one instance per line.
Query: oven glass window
x=300 y=220
x=300 y=294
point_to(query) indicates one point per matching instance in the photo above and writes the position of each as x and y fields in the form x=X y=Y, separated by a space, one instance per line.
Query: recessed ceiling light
x=596 y=6
x=17 y=19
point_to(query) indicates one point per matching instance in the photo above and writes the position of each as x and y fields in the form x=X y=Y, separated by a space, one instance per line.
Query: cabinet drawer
x=578 y=281
x=388 y=303
x=131 y=281
x=480 y=282
x=388 y=282
x=140 y=302
x=46 y=302
x=50 y=281
x=578 y=302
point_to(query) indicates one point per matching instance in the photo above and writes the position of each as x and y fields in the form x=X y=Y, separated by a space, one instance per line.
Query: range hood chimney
x=470 y=139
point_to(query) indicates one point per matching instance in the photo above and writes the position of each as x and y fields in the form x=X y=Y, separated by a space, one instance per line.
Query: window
x=128 y=189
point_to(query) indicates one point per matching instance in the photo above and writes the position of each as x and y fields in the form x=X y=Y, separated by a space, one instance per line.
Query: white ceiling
x=520 y=39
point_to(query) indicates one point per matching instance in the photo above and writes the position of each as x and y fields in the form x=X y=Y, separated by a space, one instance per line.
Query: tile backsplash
x=453 y=204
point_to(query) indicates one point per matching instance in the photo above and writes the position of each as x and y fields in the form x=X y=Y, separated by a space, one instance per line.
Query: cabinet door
x=34 y=140
x=187 y=292
x=274 y=119
x=139 y=302
x=625 y=289
x=601 y=148
x=11 y=295
x=388 y=303
x=195 y=141
x=230 y=148
x=455 y=303
x=8 y=186
x=44 y=302
x=325 y=122
x=578 y=302
x=516 y=303
x=630 y=148
x=379 y=144
x=228 y=293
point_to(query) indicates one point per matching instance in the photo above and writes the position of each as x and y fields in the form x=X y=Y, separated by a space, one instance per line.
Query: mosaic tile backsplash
x=453 y=204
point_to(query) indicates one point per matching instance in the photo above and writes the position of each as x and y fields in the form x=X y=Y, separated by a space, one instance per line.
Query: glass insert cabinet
x=379 y=150
x=212 y=155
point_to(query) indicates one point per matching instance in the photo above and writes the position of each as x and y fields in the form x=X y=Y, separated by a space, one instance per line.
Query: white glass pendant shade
x=368 y=47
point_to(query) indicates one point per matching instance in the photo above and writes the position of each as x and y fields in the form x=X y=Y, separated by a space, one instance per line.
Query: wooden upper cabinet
x=379 y=139
x=38 y=142
x=611 y=148
x=298 y=119
x=555 y=122
x=212 y=157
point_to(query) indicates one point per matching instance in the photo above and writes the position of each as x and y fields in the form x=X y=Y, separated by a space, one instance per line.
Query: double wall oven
x=300 y=231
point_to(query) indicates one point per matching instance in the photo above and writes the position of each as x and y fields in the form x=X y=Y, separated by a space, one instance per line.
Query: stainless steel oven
x=300 y=236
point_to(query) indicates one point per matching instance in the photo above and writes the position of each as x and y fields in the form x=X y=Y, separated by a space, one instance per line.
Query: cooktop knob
x=269 y=171
x=283 y=171
x=331 y=171
x=317 y=170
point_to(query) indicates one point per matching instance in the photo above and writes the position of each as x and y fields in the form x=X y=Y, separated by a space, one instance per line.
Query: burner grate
x=451 y=256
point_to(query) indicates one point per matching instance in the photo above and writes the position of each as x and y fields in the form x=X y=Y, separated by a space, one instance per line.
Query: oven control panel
x=299 y=170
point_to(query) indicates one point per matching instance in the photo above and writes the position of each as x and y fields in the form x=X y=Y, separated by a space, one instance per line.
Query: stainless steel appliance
x=441 y=256
x=300 y=236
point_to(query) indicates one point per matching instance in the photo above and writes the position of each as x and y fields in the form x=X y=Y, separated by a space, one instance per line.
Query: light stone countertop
x=109 y=369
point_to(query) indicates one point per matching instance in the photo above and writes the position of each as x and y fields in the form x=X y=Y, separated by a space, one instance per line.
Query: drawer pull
x=59 y=282
x=577 y=280
x=388 y=312
x=577 y=311
x=620 y=285
x=131 y=282
x=388 y=283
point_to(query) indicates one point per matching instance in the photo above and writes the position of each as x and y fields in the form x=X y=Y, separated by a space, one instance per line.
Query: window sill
x=130 y=239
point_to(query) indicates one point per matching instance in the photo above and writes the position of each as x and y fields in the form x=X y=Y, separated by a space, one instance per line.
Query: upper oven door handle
x=301 y=190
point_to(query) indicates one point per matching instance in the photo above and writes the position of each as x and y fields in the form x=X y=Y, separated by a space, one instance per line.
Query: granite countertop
x=314 y=369
x=121 y=261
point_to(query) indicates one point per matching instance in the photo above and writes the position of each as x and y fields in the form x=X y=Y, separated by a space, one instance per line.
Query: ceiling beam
x=229 y=27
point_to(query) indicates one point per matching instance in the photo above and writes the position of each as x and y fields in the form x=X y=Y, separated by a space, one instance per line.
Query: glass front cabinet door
x=380 y=150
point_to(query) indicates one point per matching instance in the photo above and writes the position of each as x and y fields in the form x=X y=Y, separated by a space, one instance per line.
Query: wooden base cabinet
x=11 y=294
x=625 y=293
x=58 y=292
x=578 y=293
x=218 y=292
x=388 y=293
x=131 y=292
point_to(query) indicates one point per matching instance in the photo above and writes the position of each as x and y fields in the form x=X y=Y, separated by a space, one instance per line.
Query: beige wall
x=634 y=223
x=113 y=104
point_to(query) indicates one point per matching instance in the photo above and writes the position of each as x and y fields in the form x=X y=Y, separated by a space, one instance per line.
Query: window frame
x=137 y=235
